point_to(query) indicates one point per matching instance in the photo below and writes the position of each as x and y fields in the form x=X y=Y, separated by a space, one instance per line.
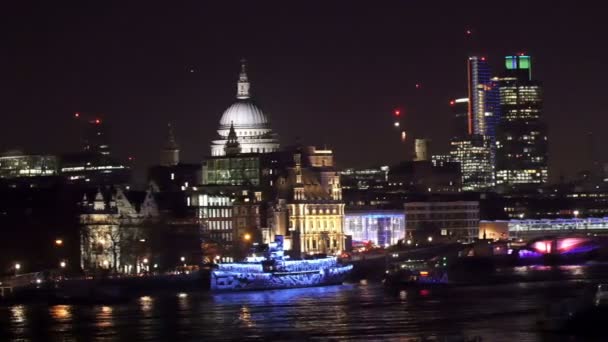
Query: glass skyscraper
x=483 y=111
x=521 y=142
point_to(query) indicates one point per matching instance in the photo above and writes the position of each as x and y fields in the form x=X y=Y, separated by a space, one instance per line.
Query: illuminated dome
x=243 y=113
x=251 y=127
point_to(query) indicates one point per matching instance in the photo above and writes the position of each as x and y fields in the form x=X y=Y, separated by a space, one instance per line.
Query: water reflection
x=505 y=311
x=18 y=313
x=146 y=303
x=245 y=317
x=104 y=317
x=61 y=313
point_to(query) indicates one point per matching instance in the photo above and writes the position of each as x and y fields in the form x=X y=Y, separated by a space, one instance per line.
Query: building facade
x=112 y=235
x=474 y=155
x=307 y=206
x=380 y=227
x=442 y=221
x=15 y=164
x=521 y=155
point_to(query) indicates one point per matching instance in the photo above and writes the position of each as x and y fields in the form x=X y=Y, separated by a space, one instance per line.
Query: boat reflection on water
x=279 y=296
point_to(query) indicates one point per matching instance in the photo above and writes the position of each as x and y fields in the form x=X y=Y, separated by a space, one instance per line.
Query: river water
x=360 y=311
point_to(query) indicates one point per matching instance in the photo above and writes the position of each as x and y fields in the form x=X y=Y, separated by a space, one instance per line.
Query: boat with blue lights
x=275 y=271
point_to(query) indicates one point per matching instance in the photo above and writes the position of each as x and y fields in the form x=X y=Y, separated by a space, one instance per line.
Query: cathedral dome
x=244 y=123
x=243 y=114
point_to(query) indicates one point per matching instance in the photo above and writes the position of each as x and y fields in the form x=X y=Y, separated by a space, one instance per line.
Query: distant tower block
x=169 y=155
x=421 y=148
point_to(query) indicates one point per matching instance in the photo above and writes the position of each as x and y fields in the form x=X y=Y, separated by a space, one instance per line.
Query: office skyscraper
x=521 y=143
x=483 y=111
x=460 y=117
x=96 y=137
x=473 y=154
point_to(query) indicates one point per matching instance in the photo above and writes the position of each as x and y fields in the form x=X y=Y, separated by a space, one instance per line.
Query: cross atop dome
x=242 y=87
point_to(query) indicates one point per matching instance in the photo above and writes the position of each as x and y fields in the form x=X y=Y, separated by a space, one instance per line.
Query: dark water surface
x=362 y=311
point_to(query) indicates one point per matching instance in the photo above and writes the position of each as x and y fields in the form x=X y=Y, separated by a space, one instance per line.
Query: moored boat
x=273 y=271
x=415 y=272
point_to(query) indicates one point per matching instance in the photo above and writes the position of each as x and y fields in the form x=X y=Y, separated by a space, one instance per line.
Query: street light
x=247 y=237
x=17 y=266
x=58 y=242
x=182 y=259
x=409 y=242
x=430 y=238
x=62 y=264
x=145 y=260
x=576 y=212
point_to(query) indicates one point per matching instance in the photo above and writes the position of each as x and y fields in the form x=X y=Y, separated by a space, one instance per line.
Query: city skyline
x=351 y=68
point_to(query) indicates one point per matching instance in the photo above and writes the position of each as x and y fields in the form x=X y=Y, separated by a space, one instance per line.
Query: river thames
x=357 y=311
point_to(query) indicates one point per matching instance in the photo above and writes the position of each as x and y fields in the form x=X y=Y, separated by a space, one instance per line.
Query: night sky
x=328 y=73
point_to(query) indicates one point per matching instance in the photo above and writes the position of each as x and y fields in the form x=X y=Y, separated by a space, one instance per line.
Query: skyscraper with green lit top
x=521 y=138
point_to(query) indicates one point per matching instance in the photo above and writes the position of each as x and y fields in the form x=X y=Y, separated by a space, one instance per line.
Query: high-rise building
x=96 y=137
x=95 y=165
x=474 y=155
x=483 y=111
x=460 y=117
x=521 y=144
x=169 y=155
x=473 y=151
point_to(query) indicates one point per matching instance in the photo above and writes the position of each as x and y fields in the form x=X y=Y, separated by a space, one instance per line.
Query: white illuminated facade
x=380 y=227
x=252 y=128
x=15 y=164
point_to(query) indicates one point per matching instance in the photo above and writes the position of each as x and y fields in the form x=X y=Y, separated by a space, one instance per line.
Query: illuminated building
x=307 y=208
x=421 y=150
x=442 y=221
x=95 y=165
x=374 y=178
x=460 y=116
x=380 y=227
x=521 y=144
x=473 y=153
x=214 y=209
x=15 y=164
x=250 y=124
x=112 y=228
x=483 y=111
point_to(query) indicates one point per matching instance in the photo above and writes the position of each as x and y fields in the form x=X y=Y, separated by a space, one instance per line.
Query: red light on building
x=417 y=85
x=452 y=103
x=131 y=158
x=397 y=112
x=76 y=115
x=97 y=121
x=424 y=292
x=469 y=32
x=483 y=59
